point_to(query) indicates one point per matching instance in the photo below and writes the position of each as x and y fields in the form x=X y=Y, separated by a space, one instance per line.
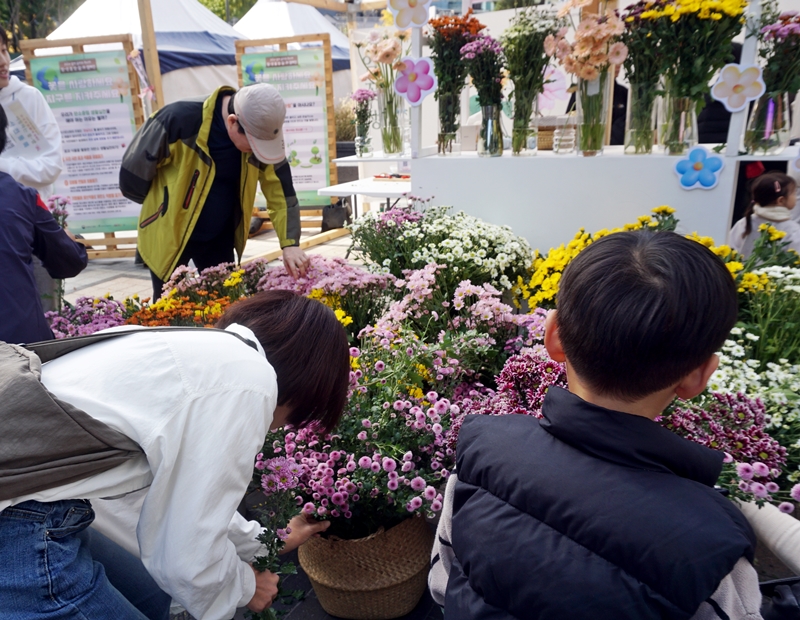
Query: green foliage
x=345 y=121
x=236 y=8
x=515 y=4
x=34 y=19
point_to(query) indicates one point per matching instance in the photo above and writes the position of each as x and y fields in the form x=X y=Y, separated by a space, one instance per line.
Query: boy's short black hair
x=637 y=311
x=3 y=36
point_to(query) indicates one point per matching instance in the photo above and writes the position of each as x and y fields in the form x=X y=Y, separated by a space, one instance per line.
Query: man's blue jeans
x=52 y=567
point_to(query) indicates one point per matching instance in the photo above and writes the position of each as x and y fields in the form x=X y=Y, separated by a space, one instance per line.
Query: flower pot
x=490 y=137
x=680 y=125
x=592 y=98
x=640 y=119
x=769 y=128
x=449 y=139
x=390 y=113
x=378 y=577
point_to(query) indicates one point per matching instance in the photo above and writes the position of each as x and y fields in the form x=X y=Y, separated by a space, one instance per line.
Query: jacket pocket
x=188 y=200
x=162 y=210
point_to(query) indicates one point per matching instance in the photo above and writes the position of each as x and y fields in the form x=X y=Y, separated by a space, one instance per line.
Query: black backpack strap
x=48 y=350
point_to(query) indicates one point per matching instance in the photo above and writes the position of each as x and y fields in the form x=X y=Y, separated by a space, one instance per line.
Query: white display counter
x=548 y=197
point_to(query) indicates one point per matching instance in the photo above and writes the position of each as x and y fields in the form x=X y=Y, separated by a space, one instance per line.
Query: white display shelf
x=791 y=153
x=377 y=158
x=368 y=187
x=547 y=198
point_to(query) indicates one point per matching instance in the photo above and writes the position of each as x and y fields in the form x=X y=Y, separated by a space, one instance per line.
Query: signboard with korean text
x=301 y=78
x=90 y=96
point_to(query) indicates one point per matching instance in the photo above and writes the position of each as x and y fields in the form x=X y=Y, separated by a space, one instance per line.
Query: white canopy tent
x=195 y=47
x=269 y=19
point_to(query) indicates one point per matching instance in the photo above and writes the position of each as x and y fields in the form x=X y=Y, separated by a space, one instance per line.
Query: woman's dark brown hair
x=306 y=345
x=765 y=191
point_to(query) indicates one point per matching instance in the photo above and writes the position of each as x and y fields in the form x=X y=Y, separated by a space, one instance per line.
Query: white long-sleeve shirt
x=39 y=173
x=199 y=403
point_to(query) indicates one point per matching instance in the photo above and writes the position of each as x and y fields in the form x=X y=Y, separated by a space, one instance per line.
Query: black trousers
x=204 y=254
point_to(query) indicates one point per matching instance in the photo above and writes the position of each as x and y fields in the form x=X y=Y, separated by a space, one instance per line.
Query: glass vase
x=363 y=141
x=490 y=137
x=565 y=135
x=592 y=98
x=680 y=125
x=525 y=127
x=769 y=128
x=449 y=139
x=640 y=122
x=390 y=121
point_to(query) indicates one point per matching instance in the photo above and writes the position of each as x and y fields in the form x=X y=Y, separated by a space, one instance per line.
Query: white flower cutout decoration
x=737 y=86
x=413 y=13
x=415 y=79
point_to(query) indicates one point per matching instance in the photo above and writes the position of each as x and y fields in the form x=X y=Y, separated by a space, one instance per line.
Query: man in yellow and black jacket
x=194 y=167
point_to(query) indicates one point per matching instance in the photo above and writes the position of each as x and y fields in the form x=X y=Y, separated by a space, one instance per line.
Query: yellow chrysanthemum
x=235 y=279
x=343 y=317
x=734 y=267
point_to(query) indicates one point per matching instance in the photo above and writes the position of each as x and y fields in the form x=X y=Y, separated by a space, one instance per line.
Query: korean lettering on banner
x=90 y=95
x=299 y=75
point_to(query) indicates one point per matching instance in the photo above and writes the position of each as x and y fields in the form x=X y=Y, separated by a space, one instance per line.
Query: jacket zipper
x=159 y=212
x=190 y=193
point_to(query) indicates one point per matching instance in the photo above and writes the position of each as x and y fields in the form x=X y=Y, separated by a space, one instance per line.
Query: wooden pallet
x=111 y=244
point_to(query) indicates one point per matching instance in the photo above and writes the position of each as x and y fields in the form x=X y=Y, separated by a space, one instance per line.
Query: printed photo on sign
x=90 y=95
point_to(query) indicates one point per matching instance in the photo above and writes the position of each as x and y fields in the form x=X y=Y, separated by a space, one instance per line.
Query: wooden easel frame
x=110 y=241
x=282 y=43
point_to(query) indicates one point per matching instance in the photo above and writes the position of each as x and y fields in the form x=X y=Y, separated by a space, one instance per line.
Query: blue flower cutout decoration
x=700 y=169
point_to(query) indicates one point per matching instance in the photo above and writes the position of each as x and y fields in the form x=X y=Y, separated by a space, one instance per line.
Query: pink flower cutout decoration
x=555 y=87
x=737 y=86
x=415 y=79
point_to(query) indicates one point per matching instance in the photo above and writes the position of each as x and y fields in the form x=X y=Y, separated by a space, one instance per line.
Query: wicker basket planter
x=378 y=577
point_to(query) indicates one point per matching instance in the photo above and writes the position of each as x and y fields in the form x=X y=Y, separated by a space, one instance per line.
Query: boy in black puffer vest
x=595 y=510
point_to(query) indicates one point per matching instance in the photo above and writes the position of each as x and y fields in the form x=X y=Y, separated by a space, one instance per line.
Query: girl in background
x=773 y=198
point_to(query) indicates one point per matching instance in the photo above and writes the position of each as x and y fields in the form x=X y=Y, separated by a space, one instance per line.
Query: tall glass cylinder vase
x=390 y=121
x=680 y=126
x=640 y=122
x=769 y=128
x=490 y=138
x=525 y=127
x=363 y=142
x=592 y=97
x=449 y=140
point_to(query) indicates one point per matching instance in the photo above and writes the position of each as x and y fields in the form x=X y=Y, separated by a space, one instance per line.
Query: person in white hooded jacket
x=41 y=172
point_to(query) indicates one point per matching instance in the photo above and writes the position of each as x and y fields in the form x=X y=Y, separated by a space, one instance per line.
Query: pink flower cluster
x=332 y=275
x=397 y=217
x=87 y=316
x=481 y=44
x=734 y=424
x=787 y=26
x=521 y=388
x=363 y=95
x=188 y=281
x=594 y=48
x=58 y=206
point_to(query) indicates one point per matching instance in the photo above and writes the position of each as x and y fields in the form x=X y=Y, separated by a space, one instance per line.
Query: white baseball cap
x=260 y=110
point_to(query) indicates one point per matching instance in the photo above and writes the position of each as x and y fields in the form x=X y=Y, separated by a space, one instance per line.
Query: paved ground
x=121 y=278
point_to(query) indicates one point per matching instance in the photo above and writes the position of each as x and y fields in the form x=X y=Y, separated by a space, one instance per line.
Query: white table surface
x=368 y=187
